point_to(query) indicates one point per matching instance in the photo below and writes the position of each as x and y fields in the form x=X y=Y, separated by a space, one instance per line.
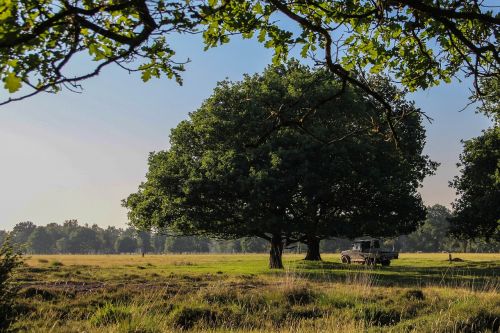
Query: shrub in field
x=9 y=260
x=415 y=294
x=110 y=314
x=283 y=316
x=44 y=294
x=56 y=263
x=187 y=317
x=299 y=295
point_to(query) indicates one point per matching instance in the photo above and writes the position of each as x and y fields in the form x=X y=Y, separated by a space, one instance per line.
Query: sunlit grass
x=418 y=259
x=238 y=293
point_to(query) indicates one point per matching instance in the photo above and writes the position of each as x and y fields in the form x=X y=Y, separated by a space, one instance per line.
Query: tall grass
x=318 y=297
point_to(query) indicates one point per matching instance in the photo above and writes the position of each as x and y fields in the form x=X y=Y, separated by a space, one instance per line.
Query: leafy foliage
x=144 y=241
x=489 y=96
x=186 y=244
x=54 y=238
x=9 y=261
x=478 y=187
x=420 y=43
x=40 y=241
x=431 y=235
x=39 y=39
x=21 y=233
x=126 y=244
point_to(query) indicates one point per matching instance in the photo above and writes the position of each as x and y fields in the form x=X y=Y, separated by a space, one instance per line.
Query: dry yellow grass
x=106 y=260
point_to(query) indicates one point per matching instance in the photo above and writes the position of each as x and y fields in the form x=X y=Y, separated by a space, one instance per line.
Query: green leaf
x=262 y=36
x=146 y=75
x=12 y=62
x=12 y=83
x=258 y=8
x=304 y=51
x=376 y=68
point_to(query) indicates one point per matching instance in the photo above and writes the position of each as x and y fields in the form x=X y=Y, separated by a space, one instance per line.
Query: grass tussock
x=110 y=314
x=415 y=294
x=56 y=263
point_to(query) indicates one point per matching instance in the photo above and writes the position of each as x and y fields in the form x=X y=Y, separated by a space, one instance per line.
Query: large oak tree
x=329 y=168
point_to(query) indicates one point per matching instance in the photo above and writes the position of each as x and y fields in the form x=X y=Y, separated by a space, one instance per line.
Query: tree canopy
x=431 y=236
x=478 y=187
x=419 y=43
x=476 y=210
x=335 y=174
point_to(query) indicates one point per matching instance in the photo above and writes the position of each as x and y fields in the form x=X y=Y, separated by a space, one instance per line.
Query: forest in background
x=72 y=238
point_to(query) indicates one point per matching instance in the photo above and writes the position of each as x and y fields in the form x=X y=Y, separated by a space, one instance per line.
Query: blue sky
x=73 y=155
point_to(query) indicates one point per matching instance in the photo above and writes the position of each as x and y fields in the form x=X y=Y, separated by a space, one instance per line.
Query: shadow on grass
x=468 y=274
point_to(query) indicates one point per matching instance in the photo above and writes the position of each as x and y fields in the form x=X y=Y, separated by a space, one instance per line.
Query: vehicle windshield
x=365 y=245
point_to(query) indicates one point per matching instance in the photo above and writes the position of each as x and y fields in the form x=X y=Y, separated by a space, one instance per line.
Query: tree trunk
x=313 y=249
x=275 y=255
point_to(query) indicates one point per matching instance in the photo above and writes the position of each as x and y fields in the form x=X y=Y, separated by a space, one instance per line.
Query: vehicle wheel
x=385 y=262
x=345 y=260
x=370 y=262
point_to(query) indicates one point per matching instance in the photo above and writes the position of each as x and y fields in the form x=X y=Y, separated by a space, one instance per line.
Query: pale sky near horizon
x=75 y=156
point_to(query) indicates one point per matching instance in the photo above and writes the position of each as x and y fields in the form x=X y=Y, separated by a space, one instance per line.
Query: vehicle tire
x=345 y=259
x=385 y=262
x=369 y=261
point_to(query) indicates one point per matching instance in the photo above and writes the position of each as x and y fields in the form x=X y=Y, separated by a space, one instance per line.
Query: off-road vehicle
x=367 y=251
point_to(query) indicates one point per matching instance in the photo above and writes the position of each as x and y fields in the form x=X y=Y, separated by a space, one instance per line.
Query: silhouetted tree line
x=71 y=237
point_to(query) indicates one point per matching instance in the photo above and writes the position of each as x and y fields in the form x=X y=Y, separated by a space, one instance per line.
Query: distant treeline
x=71 y=237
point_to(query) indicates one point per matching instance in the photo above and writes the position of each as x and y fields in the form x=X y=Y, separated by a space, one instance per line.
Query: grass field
x=238 y=293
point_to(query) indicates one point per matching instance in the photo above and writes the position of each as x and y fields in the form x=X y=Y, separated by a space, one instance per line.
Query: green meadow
x=238 y=293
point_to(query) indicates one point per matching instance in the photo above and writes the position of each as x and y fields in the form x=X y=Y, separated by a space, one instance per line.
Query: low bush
x=56 y=263
x=187 y=317
x=415 y=294
x=44 y=294
x=9 y=261
x=299 y=295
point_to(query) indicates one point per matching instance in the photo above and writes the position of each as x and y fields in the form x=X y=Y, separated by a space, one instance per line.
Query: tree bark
x=313 y=249
x=276 y=253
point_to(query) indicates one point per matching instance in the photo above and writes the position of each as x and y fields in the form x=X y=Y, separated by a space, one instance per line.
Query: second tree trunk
x=312 y=249
x=275 y=255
